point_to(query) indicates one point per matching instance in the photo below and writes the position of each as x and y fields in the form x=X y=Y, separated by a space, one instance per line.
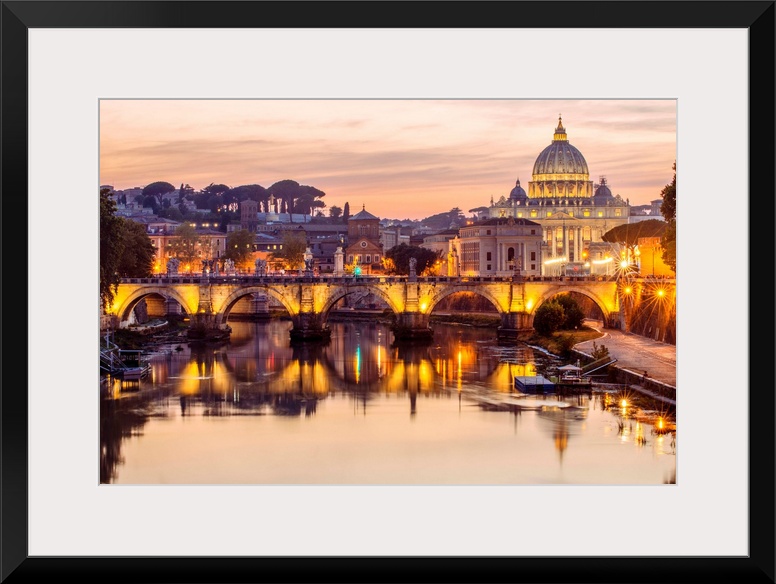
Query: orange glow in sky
x=402 y=159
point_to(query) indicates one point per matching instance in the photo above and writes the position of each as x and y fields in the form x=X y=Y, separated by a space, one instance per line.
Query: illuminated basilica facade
x=572 y=211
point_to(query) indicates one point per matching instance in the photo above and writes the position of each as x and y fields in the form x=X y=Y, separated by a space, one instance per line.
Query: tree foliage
x=291 y=254
x=309 y=200
x=186 y=245
x=296 y=198
x=668 y=210
x=630 y=233
x=251 y=192
x=549 y=318
x=572 y=313
x=210 y=197
x=158 y=190
x=346 y=213
x=137 y=259
x=111 y=248
x=450 y=219
x=239 y=248
x=560 y=313
x=335 y=212
x=126 y=250
x=399 y=258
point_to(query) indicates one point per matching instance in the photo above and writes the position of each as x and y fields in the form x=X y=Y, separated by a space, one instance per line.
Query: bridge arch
x=550 y=293
x=230 y=301
x=340 y=292
x=483 y=291
x=129 y=303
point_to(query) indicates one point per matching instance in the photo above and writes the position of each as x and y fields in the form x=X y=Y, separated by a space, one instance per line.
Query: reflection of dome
x=560 y=157
x=518 y=193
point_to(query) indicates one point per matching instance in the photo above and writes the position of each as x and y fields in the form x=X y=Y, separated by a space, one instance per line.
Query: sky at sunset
x=401 y=159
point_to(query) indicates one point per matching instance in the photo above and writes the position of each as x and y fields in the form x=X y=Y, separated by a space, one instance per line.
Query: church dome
x=603 y=190
x=560 y=157
x=603 y=195
x=518 y=193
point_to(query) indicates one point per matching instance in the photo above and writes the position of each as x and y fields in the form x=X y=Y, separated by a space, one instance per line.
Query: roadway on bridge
x=635 y=353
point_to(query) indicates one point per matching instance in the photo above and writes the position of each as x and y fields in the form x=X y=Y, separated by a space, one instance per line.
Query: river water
x=359 y=411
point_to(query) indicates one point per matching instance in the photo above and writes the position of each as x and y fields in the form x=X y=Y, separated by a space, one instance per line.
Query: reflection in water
x=360 y=409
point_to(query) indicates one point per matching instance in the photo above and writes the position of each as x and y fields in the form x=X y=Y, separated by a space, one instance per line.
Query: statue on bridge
x=260 y=267
x=229 y=267
x=172 y=266
x=413 y=267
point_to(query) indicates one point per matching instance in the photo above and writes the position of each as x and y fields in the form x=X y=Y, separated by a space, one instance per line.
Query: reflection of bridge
x=209 y=300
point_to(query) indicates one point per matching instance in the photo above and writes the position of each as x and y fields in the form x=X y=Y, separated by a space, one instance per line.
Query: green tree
x=187 y=245
x=253 y=192
x=159 y=190
x=400 y=256
x=239 y=248
x=150 y=202
x=291 y=253
x=137 y=259
x=309 y=200
x=549 y=318
x=111 y=249
x=335 y=212
x=668 y=210
x=452 y=218
x=287 y=191
x=573 y=315
x=346 y=213
x=171 y=213
x=630 y=233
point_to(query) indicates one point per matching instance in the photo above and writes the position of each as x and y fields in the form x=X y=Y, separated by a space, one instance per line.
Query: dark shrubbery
x=560 y=313
x=549 y=318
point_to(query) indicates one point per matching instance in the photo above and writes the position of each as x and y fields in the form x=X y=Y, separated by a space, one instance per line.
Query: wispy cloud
x=408 y=158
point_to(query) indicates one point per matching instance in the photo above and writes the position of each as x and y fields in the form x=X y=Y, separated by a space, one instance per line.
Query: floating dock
x=534 y=384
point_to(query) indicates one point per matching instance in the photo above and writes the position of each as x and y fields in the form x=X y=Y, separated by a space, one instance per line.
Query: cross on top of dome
x=560 y=131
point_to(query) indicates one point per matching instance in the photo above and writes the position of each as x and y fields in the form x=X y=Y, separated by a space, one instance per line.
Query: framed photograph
x=107 y=97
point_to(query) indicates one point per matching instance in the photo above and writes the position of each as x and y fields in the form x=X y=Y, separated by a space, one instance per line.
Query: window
x=488 y=267
x=533 y=213
x=360 y=260
x=487 y=232
x=600 y=213
x=377 y=258
x=350 y=259
x=368 y=259
x=487 y=256
x=549 y=213
x=586 y=213
x=533 y=231
x=618 y=212
x=533 y=256
x=519 y=213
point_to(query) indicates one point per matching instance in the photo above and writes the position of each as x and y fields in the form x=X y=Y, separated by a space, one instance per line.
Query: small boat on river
x=571 y=378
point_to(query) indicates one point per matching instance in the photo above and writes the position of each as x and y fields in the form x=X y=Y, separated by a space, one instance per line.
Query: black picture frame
x=19 y=16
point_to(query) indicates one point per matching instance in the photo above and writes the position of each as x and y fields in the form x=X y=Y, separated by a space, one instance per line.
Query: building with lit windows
x=497 y=247
x=364 y=247
x=571 y=210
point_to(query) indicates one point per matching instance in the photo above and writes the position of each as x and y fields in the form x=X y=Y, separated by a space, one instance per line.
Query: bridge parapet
x=308 y=299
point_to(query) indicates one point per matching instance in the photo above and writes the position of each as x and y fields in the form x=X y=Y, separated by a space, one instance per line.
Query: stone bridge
x=209 y=300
